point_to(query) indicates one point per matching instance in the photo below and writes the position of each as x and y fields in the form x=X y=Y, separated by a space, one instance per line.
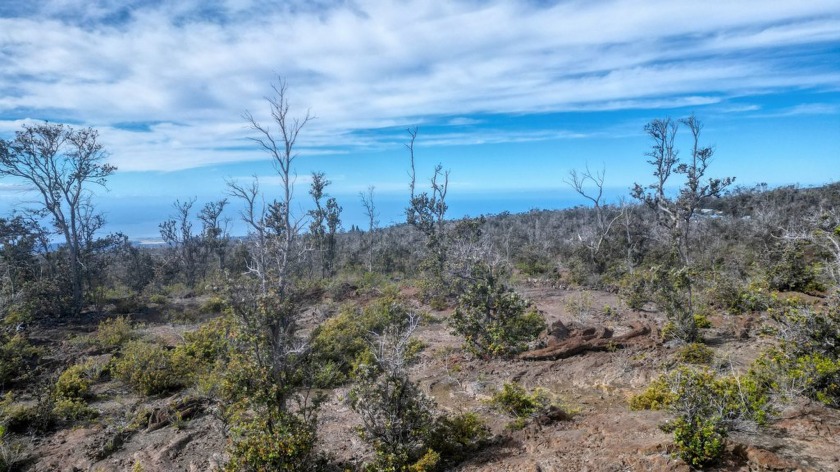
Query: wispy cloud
x=167 y=81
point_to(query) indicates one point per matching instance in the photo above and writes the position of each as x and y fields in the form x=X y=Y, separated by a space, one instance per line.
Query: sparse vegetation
x=253 y=336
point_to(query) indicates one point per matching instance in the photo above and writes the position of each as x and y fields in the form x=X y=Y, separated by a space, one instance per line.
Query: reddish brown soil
x=601 y=435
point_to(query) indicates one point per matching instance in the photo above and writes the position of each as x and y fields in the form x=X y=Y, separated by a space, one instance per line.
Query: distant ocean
x=139 y=218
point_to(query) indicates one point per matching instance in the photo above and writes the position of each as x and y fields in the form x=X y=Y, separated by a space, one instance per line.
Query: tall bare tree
x=278 y=139
x=61 y=163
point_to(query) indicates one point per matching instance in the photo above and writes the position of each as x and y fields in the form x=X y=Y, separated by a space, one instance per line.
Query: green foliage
x=340 y=344
x=634 y=288
x=733 y=398
x=457 y=438
x=657 y=395
x=72 y=410
x=113 y=332
x=286 y=444
x=207 y=343
x=493 y=319
x=396 y=417
x=15 y=352
x=151 y=368
x=737 y=298
x=807 y=360
x=795 y=271
x=707 y=406
x=695 y=353
x=11 y=454
x=73 y=383
x=672 y=289
x=514 y=400
x=700 y=441
x=533 y=262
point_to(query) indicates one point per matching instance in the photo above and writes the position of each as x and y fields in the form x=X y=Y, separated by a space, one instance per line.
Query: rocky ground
x=602 y=433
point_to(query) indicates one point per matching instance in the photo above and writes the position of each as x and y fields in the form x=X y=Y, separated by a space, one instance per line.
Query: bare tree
x=427 y=211
x=272 y=227
x=61 y=163
x=373 y=222
x=279 y=142
x=580 y=182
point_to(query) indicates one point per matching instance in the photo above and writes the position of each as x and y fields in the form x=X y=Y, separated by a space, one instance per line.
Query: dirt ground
x=603 y=434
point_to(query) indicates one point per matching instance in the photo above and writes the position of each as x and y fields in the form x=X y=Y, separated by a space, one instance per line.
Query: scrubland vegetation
x=274 y=324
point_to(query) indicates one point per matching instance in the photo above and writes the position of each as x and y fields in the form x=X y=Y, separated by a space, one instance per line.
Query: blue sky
x=508 y=95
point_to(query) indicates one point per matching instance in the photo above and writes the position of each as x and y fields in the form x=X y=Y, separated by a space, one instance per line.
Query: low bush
x=707 y=407
x=695 y=353
x=15 y=352
x=340 y=345
x=493 y=319
x=151 y=368
x=700 y=440
x=457 y=438
x=11 y=453
x=286 y=446
x=73 y=383
x=807 y=361
x=113 y=332
x=514 y=400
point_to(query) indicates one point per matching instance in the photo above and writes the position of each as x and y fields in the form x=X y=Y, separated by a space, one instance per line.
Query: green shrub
x=634 y=289
x=657 y=395
x=808 y=357
x=150 y=368
x=340 y=345
x=113 y=332
x=707 y=406
x=15 y=351
x=493 y=319
x=700 y=441
x=514 y=400
x=72 y=409
x=286 y=446
x=695 y=353
x=794 y=270
x=207 y=343
x=73 y=383
x=457 y=438
x=11 y=454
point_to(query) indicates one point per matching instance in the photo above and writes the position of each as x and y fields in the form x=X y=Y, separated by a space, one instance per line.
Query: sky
x=509 y=96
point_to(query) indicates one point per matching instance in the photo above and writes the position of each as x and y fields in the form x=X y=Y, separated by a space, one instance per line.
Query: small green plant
x=340 y=344
x=514 y=400
x=73 y=382
x=150 y=368
x=807 y=361
x=581 y=306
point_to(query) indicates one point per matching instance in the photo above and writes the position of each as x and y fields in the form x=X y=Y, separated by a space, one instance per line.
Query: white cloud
x=374 y=64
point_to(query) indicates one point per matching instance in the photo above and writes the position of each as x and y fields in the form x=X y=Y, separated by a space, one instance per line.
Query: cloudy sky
x=508 y=95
